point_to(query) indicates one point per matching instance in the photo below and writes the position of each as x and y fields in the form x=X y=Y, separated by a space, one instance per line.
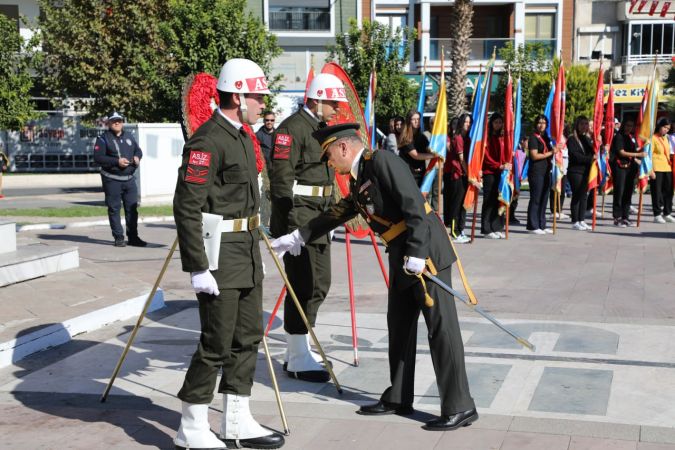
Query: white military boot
x=239 y=429
x=301 y=363
x=195 y=431
x=314 y=354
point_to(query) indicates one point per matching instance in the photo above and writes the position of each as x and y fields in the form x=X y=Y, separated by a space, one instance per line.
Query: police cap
x=115 y=116
x=328 y=135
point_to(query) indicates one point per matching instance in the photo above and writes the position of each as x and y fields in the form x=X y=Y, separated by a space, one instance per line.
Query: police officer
x=218 y=176
x=119 y=155
x=384 y=192
x=301 y=189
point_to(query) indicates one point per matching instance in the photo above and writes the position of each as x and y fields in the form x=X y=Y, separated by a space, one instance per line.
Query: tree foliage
x=385 y=50
x=461 y=24
x=532 y=64
x=581 y=85
x=15 y=82
x=110 y=54
x=203 y=34
x=133 y=57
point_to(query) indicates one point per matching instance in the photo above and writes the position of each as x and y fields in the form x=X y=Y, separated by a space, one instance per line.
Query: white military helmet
x=327 y=87
x=242 y=76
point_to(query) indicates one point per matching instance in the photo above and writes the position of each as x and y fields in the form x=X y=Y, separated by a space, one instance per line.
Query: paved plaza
x=600 y=308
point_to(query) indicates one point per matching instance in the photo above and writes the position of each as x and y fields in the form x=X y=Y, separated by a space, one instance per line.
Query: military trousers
x=231 y=324
x=309 y=274
x=445 y=343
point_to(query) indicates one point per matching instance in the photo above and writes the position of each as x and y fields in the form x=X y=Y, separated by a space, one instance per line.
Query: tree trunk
x=462 y=13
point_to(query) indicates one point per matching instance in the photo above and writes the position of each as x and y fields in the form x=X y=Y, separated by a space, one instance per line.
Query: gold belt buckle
x=238 y=225
x=253 y=222
x=316 y=190
x=327 y=191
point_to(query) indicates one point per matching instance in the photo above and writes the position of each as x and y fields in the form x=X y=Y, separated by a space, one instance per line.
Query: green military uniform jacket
x=386 y=189
x=296 y=157
x=218 y=175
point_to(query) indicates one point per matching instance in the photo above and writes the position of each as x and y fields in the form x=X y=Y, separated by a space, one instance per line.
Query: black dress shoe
x=447 y=423
x=381 y=408
x=285 y=366
x=137 y=242
x=119 y=242
x=271 y=441
x=514 y=221
x=313 y=376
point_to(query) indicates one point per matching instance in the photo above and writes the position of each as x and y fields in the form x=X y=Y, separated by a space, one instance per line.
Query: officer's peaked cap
x=328 y=135
x=115 y=116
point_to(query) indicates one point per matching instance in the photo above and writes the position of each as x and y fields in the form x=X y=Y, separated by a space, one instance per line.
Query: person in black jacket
x=624 y=171
x=413 y=146
x=581 y=156
x=119 y=155
x=539 y=175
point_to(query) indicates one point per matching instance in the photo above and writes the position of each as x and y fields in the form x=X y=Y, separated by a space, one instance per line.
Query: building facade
x=629 y=38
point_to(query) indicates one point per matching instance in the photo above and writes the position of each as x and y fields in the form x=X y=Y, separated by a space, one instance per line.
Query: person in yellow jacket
x=661 y=178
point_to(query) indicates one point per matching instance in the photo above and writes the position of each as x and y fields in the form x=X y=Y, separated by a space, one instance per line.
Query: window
x=12 y=13
x=540 y=28
x=286 y=15
x=652 y=38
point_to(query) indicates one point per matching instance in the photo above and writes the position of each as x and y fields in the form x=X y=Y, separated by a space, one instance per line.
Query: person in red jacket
x=455 y=181
x=495 y=160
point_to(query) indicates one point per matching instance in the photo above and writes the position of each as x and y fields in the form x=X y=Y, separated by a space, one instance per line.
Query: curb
x=60 y=333
x=85 y=224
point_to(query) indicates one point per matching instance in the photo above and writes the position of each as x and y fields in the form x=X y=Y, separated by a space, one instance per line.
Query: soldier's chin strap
x=243 y=108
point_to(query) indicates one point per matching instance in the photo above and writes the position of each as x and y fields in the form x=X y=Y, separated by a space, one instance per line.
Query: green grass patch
x=83 y=211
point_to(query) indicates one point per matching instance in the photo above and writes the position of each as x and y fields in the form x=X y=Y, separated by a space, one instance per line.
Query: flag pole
x=439 y=207
x=506 y=227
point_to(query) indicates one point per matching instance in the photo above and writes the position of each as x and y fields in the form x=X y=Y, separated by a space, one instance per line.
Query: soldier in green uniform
x=384 y=192
x=218 y=177
x=301 y=188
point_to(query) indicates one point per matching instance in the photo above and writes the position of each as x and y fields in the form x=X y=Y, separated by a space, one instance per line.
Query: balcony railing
x=299 y=19
x=481 y=48
x=648 y=59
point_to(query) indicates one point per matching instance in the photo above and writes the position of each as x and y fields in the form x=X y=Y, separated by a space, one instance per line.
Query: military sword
x=522 y=341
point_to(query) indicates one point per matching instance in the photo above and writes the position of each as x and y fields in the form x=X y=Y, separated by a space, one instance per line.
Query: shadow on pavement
x=72 y=389
x=74 y=238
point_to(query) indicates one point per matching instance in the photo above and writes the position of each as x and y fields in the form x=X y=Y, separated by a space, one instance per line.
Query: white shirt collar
x=234 y=123
x=355 y=164
x=311 y=114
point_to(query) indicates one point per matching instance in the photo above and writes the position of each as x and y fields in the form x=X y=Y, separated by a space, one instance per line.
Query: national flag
x=595 y=176
x=642 y=5
x=608 y=137
x=506 y=180
x=310 y=77
x=370 y=109
x=478 y=138
x=422 y=97
x=645 y=132
x=518 y=157
x=549 y=107
x=439 y=137
x=632 y=5
x=557 y=127
x=475 y=101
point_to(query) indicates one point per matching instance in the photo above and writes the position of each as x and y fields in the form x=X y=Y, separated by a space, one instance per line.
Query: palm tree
x=462 y=13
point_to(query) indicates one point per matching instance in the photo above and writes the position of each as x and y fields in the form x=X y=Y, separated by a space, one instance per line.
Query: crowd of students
x=407 y=139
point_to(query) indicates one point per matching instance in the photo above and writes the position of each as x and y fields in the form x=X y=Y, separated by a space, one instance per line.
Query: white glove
x=204 y=282
x=414 y=265
x=331 y=235
x=291 y=243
